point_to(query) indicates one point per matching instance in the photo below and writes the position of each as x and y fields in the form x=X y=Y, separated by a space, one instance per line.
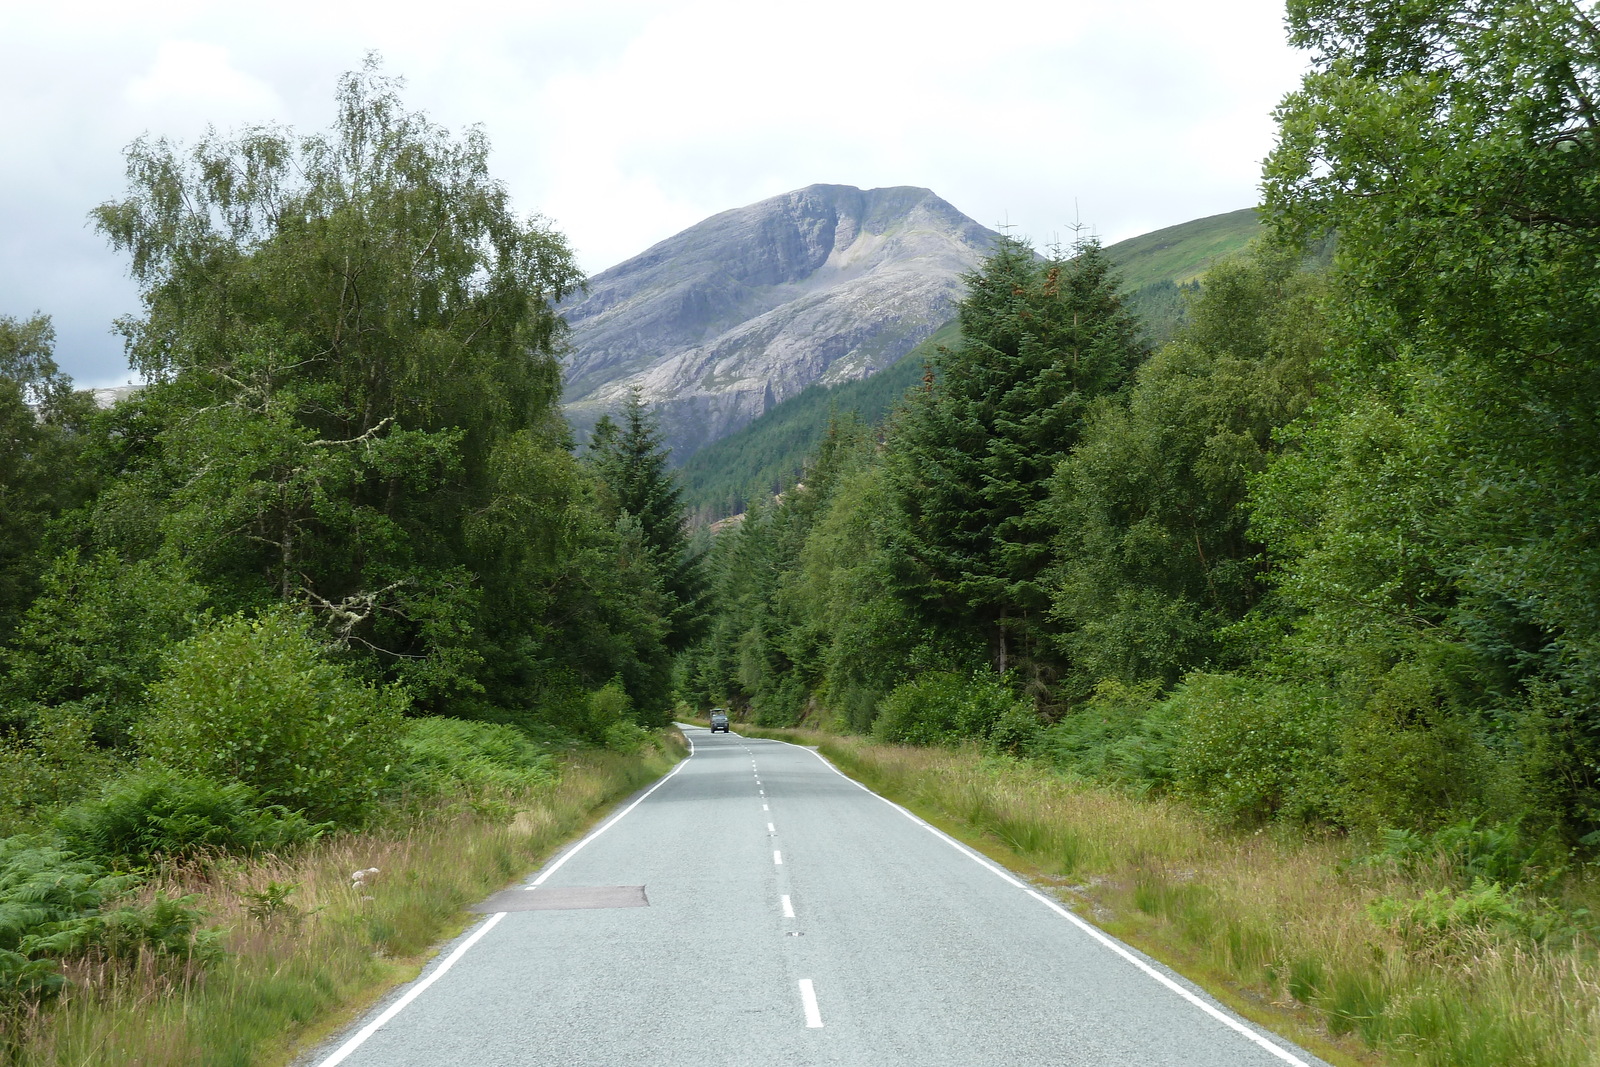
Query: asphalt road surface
x=757 y=907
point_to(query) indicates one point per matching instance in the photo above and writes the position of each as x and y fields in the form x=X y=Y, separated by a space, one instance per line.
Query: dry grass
x=1279 y=925
x=305 y=947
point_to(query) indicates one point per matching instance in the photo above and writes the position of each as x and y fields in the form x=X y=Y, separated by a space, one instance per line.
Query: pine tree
x=631 y=460
x=972 y=456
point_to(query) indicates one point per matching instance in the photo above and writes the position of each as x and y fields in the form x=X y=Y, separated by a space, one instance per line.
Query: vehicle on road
x=719 y=720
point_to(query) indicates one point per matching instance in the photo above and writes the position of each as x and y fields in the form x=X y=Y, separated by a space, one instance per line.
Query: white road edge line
x=1281 y=1053
x=609 y=823
x=417 y=990
x=1088 y=928
x=788 y=906
x=411 y=994
x=808 y=1000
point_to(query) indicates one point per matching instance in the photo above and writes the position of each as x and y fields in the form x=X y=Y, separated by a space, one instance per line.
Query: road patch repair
x=565 y=898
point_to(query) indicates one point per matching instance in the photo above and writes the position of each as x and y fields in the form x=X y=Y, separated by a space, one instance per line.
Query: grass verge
x=1364 y=963
x=305 y=948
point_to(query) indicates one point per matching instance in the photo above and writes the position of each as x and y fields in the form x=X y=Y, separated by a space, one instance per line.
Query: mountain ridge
x=724 y=320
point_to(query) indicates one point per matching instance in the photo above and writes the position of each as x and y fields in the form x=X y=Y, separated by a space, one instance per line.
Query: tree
x=632 y=463
x=1154 y=558
x=1453 y=146
x=41 y=420
x=971 y=457
x=351 y=342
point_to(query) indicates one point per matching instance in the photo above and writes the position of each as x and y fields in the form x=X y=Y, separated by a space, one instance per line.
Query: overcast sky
x=624 y=123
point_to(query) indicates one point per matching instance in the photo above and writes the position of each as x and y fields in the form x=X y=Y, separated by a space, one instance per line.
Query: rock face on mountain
x=745 y=309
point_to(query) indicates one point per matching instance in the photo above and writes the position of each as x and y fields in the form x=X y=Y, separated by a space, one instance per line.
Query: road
x=788 y=916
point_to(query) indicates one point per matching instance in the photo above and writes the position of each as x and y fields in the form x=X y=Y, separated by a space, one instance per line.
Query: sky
x=623 y=123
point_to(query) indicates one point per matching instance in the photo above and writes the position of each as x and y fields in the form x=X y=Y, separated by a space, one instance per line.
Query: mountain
x=766 y=455
x=1182 y=253
x=734 y=315
x=1157 y=269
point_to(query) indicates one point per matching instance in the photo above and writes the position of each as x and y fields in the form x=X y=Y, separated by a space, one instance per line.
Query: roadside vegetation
x=244 y=958
x=333 y=591
x=1438 y=950
x=1318 y=573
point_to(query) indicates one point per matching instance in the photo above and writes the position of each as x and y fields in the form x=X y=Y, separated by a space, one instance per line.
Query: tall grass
x=306 y=947
x=1381 y=963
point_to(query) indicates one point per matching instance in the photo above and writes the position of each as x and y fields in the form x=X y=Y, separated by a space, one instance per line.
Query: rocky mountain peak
x=747 y=308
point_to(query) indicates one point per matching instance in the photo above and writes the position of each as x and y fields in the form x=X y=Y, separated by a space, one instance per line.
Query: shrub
x=626 y=737
x=1408 y=759
x=606 y=707
x=159 y=812
x=51 y=907
x=53 y=762
x=1122 y=734
x=1251 y=750
x=480 y=754
x=255 y=701
x=942 y=708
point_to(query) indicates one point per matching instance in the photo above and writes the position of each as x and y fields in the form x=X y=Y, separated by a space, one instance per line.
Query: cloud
x=625 y=121
x=197 y=75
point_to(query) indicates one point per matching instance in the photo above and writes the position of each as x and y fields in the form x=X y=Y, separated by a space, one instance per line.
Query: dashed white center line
x=765 y=808
x=808 y=1000
x=771 y=829
x=788 y=906
x=777 y=858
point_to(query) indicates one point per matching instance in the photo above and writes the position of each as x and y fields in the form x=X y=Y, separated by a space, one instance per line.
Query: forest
x=1327 y=558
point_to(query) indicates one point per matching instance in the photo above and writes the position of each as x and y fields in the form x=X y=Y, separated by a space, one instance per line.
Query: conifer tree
x=632 y=463
x=972 y=457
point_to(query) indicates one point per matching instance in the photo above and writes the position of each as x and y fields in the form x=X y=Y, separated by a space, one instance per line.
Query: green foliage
x=41 y=420
x=1159 y=270
x=1445 y=919
x=257 y=701
x=54 y=905
x=158 y=812
x=1155 y=561
x=354 y=408
x=1411 y=759
x=1253 y=750
x=270 y=905
x=1444 y=505
x=1474 y=850
x=97 y=634
x=51 y=762
x=1122 y=734
x=440 y=750
x=941 y=708
x=643 y=499
x=608 y=706
x=969 y=459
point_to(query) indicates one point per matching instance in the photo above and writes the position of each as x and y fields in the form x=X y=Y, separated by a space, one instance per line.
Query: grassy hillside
x=766 y=455
x=1182 y=253
x=1157 y=268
